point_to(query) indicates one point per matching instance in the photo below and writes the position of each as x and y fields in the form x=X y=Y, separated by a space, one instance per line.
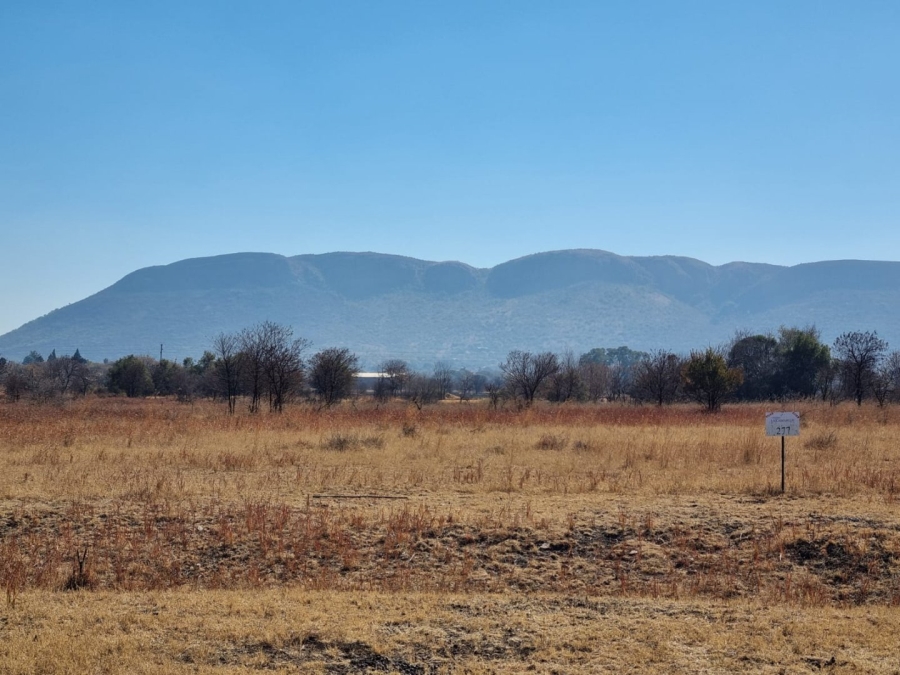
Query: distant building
x=365 y=382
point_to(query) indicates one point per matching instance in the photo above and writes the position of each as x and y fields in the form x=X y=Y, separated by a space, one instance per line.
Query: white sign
x=782 y=424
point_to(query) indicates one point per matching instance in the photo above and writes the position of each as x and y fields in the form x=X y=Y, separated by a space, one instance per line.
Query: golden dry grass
x=290 y=630
x=508 y=539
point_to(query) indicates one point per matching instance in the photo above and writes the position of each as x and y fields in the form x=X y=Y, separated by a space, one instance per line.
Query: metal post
x=782 y=464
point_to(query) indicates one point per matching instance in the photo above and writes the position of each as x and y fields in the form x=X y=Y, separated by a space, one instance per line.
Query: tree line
x=266 y=366
x=793 y=364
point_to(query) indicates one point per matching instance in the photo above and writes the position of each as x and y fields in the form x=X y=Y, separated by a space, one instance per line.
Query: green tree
x=708 y=379
x=207 y=361
x=801 y=358
x=165 y=376
x=757 y=357
x=131 y=376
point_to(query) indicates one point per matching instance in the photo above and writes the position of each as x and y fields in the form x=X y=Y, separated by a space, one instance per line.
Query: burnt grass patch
x=849 y=566
x=336 y=657
x=593 y=554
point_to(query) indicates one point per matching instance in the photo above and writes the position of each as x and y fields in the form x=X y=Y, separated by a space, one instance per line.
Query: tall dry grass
x=126 y=494
x=538 y=522
x=160 y=450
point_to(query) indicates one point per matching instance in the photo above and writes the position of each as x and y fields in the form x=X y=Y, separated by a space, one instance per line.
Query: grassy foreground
x=279 y=630
x=148 y=536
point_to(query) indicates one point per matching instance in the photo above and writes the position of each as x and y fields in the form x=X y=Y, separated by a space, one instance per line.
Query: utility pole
x=160 y=352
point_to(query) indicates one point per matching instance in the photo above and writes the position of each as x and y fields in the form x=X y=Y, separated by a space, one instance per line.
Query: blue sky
x=134 y=134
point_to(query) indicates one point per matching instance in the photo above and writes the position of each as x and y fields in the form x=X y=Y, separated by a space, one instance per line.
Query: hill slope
x=385 y=306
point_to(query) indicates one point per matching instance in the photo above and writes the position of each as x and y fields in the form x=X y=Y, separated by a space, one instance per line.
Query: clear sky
x=141 y=133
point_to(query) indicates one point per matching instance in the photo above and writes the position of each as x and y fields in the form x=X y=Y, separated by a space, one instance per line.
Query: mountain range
x=387 y=306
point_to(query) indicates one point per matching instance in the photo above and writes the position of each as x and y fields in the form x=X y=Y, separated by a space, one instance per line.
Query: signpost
x=782 y=424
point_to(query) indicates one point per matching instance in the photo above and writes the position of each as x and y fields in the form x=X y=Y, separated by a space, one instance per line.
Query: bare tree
x=226 y=347
x=252 y=343
x=423 y=390
x=395 y=374
x=892 y=369
x=565 y=383
x=88 y=375
x=465 y=384
x=272 y=363
x=859 y=354
x=282 y=363
x=331 y=374
x=479 y=382
x=185 y=384
x=886 y=383
x=443 y=375
x=381 y=390
x=15 y=381
x=596 y=378
x=827 y=381
x=62 y=371
x=469 y=384
x=495 y=390
x=524 y=372
x=657 y=377
x=620 y=378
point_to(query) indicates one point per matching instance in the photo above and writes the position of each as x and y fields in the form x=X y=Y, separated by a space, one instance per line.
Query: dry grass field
x=156 y=537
